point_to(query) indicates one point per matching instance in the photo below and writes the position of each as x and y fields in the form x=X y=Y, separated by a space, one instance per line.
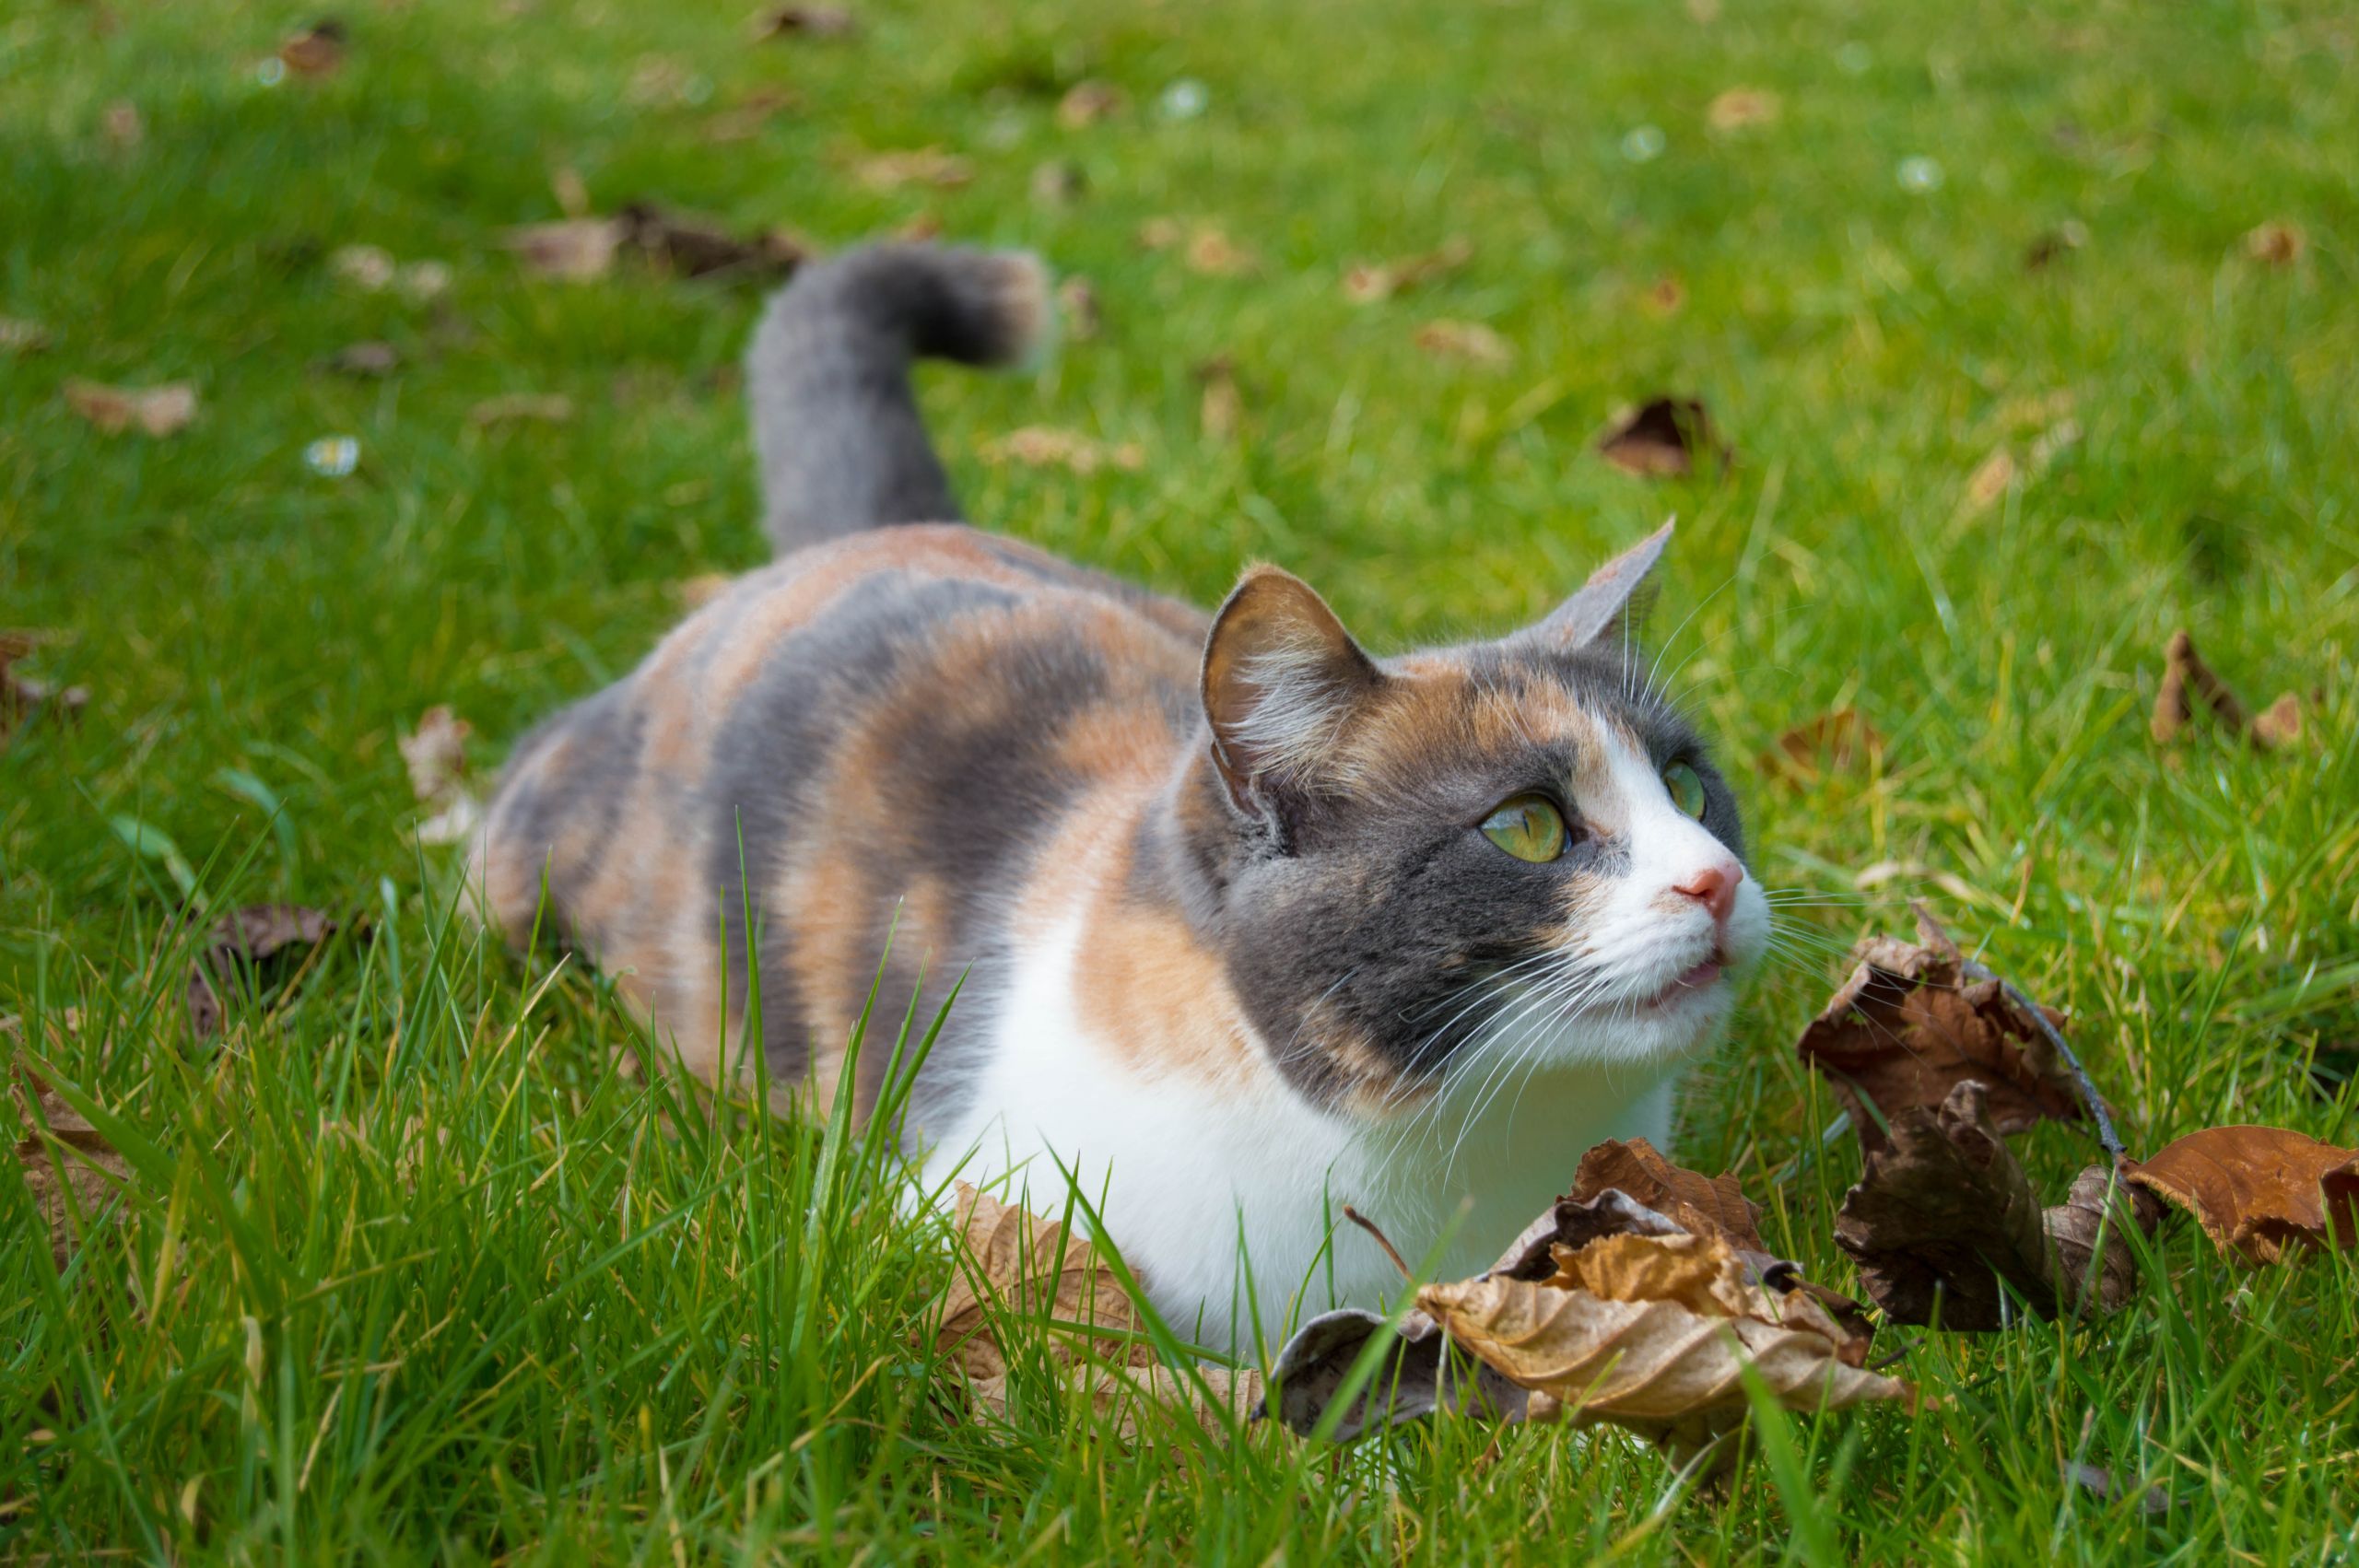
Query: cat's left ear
x=1605 y=606
x=1281 y=678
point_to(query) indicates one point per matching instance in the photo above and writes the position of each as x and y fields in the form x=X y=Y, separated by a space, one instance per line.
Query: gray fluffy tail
x=836 y=425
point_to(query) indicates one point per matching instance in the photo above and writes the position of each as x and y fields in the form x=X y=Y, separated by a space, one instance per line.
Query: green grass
x=408 y=1272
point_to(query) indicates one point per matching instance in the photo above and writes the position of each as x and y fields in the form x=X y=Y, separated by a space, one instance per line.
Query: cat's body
x=1242 y=945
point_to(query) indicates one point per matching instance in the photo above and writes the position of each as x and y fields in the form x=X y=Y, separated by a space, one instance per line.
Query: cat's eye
x=1529 y=828
x=1686 y=786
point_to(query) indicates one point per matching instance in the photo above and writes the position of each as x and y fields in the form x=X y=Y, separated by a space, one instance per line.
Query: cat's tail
x=836 y=426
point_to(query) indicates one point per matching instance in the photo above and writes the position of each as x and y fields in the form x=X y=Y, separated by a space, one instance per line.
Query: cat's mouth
x=1694 y=985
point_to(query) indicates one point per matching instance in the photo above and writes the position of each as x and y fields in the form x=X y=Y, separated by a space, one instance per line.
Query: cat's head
x=1515 y=846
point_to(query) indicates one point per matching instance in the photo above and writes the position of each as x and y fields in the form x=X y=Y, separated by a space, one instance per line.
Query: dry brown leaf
x=1671 y=1368
x=155 y=410
x=1944 y=1223
x=1908 y=1026
x=242 y=940
x=316 y=51
x=1085 y=103
x=1738 y=108
x=575 y=250
x=695 y=247
x=916 y=166
x=1714 y=1205
x=2278 y=242
x=1037 y=446
x=744 y=120
x=71 y=1170
x=1013 y=1264
x=802 y=21
x=2054 y=244
x=1665 y=296
x=1220 y=412
x=1059 y=182
x=18 y=335
x=2259 y=1190
x=2190 y=686
x=367 y=360
x=1989 y=481
x=1205 y=247
x=517 y=408
x=1465 y=340
x=1832 y=743
x=1372 y=281
x=1662 y=437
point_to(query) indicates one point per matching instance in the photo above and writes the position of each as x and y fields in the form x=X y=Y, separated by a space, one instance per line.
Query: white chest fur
x=1198 y=1179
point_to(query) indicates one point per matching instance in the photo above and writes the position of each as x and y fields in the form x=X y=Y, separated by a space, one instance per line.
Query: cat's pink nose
x=1715 y=888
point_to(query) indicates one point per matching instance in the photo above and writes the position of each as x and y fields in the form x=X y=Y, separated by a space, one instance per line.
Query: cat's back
x=882 y=728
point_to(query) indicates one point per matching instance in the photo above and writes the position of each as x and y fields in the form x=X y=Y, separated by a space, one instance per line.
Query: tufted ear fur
x=1281 y=679
x=1604 y=605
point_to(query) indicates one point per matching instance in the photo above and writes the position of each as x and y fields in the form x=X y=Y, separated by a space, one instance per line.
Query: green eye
x=1686 y=788
x=1528 y=827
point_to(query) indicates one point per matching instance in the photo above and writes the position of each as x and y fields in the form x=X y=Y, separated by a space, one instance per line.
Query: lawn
x=410 y=1269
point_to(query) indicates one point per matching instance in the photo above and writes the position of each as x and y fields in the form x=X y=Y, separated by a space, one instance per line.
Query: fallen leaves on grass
x=1909 y=1025
x=1740 y=108
x=1014 y=1267
x=1662 y=437
x=1835 y=742
x=316 y=51
x=1945 y=1226
x=156 y=411
x=1039 y=445
x=1471 y=341
x=241 y=941
x=1607 y=1308
x=2259 y=1190
x=801 y=21
x=435 y=754
x=2190 y=687
x=2052 y=245
x=1371 y=282
x=21 y=695
x=579 y=250
x=2277 y=243
x=1205 y=247
x=69 y=1167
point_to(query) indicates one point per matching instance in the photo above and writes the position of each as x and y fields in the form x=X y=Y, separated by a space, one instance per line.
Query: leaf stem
x=1364 y=1222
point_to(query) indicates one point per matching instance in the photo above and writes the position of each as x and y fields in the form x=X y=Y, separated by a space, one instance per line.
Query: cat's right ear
x=1281 y=679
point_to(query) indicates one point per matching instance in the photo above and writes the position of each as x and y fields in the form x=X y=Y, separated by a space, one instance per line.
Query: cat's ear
x=1281 y=679
x=1603 y=607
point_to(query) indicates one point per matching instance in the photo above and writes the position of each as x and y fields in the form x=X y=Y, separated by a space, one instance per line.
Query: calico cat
x=1253 y=924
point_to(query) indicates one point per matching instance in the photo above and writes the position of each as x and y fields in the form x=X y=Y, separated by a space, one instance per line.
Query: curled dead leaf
x=2259 y=1191
x=1662 y=437
x=1908 y=1026
x=156 y=411
x=1716 y=1206
x=2190 y=687
x=1945 y=1226
x=436 y=755
x=244 y=941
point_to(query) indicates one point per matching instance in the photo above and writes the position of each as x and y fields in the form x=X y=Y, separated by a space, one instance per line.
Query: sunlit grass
x=414 y=1270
